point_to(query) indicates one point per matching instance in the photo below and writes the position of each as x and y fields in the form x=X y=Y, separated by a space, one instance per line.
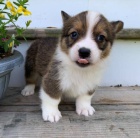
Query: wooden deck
x=117 y=116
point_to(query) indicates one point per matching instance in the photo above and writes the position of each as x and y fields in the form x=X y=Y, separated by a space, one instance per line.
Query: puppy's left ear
x=65 y=16
x=117 y=26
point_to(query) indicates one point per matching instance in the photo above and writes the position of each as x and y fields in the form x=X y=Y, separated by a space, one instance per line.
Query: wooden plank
x=117 y=95
x=107 y=124
x=129 y=34
x=55 y=32
x=14 y=97
x=103 y=95
x=114 y=95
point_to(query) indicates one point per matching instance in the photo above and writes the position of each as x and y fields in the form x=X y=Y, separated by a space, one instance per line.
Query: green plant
x=10 y=12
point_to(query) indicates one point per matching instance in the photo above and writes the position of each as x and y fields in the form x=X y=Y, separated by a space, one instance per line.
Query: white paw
x=28 y=90
x=52 y=115
x=86 y=111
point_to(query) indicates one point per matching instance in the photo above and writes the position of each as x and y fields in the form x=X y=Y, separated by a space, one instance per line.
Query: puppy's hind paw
x=28 y=90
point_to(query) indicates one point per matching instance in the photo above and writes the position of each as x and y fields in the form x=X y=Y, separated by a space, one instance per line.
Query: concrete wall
x=47 y=12
x=124 y=64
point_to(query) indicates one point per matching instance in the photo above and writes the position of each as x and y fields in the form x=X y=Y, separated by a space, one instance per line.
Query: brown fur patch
x=38 y=57
x=45 y=54
x=50 y=81
x=103 y=27
x=39 y=62
x=106 y=52
x=109 y=30
x=74 y=24
x=32 y=79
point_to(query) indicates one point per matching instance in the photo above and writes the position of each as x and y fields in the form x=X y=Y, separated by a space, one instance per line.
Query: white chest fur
x=76 y=80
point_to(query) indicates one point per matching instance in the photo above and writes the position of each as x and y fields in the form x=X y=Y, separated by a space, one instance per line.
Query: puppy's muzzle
x=84 y=52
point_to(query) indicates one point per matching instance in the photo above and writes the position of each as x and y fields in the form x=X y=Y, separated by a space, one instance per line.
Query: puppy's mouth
x=83 y=62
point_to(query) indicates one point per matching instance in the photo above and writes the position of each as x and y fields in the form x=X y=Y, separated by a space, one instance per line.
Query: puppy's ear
x=117 y=26
x=65 y=16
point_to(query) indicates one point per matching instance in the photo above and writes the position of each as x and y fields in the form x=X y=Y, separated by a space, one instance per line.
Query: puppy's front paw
x=28 y=90
x=52 y=115
x=85 y=110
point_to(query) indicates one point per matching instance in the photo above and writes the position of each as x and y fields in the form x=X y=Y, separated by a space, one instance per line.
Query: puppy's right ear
x=65 y=16
x=117 y=26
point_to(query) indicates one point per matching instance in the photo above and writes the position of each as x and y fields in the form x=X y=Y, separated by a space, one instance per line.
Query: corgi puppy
x=71 y=65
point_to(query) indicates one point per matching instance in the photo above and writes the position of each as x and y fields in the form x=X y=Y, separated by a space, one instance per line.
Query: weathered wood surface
x=55 y=32
x=117 y=116
x=107 y=124
x=103 y=95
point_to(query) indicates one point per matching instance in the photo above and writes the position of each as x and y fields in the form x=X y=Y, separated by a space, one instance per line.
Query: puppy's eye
x=100 y=38
x=74 y=35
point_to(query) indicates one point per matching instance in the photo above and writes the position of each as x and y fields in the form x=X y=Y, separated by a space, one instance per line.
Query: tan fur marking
x=106 y=52
x=64 y=47
x=104 y=28
x=76 y=23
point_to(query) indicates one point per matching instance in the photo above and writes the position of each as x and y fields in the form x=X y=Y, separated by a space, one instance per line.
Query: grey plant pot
x=6 y=66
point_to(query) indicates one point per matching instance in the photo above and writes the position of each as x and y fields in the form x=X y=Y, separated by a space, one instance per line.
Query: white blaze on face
x=88 y=41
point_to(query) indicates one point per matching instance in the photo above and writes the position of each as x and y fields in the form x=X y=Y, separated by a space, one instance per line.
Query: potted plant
x=9 y=58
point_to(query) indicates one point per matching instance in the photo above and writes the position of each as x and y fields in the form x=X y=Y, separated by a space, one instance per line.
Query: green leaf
x=3 y=19
x=24 y=38
x=17 y=4
x=25 y=1
x=19 y=1
x=4 y=12
x=7 y=43
x=1 y=1
x=20 y=31
x=5 y=47
x=17 y=42
x=5 y=7
x=16 y=18
x=28 y=23
x=9 y=15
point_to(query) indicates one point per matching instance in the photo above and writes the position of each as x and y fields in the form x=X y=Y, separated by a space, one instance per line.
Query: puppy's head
x=87 y=37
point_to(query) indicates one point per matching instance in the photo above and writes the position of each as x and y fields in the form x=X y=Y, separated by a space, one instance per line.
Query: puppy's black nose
x=84 y=52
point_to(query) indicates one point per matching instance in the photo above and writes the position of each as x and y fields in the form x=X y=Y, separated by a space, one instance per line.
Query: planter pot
x=6 y=66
